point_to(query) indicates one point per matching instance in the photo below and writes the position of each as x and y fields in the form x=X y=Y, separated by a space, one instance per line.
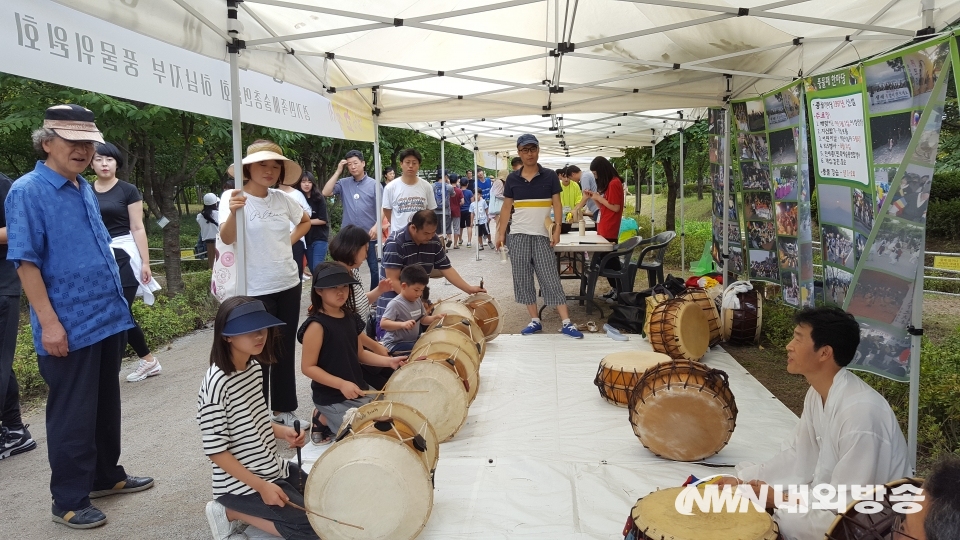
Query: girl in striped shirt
x=251 y=482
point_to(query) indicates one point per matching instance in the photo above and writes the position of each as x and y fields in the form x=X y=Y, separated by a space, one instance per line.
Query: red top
x=609 y=226
x=455 y=202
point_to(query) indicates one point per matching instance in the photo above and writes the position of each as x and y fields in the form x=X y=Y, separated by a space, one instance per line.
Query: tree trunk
x=673 y=185
x=171 y=236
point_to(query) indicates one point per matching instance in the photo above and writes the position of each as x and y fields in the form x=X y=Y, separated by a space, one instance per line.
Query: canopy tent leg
x=233 y=28
x=725 y=144
x=683 y=253
x=378 y=166
x=476 y=197
x=653 y=167
x=443 y=190
x=636 y=196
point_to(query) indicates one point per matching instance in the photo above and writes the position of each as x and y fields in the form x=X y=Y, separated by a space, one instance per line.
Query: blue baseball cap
x=527 y=139
x=249 y=317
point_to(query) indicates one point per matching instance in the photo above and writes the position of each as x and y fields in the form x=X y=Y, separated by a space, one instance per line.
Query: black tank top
x=338 y=355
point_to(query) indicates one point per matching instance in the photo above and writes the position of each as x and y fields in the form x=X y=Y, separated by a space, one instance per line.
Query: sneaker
x=490 y=243
x=571 y=330
x=144 y=370
x=86 y=518
x=13 y=442
x=287 y=419
x=460 y=242
x=449 y=243
x=131 y=484
x=531 y=328
x=456 y=246
x=481 y=246
x=468 y=244
x=221 y=527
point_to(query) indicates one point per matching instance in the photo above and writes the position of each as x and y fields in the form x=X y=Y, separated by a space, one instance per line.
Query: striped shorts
x=531 y=254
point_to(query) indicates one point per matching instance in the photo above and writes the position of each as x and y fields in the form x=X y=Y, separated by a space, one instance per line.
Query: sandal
x=320 y=434
x=592 y=327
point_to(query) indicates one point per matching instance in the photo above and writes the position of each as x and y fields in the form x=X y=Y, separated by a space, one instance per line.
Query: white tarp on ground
x=435 y=60
x=566 y=463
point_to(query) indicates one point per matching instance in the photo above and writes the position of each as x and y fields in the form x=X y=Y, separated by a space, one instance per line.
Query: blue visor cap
x=249 y=317
x=333 y=276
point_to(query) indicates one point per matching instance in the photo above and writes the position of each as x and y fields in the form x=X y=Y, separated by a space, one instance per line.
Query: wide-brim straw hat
x=266 y=151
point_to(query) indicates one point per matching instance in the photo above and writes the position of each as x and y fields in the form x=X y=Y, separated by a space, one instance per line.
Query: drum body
x=398 y=421
x=375 y=482
x=683 y=410
x=652 y=303
x=709 y=307
x=444 y=403
x=453 y=350
x=461 y=323
x=655 y=517
x=853 y=525
x=678 y=328
x=742 y=326
x=486 y=312
x=619 y=373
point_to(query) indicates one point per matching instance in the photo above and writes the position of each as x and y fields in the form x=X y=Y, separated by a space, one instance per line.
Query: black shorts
x=482 y=230
x=464 y=220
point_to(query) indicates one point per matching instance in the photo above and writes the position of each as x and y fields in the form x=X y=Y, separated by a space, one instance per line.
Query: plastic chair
x=656 y=248
x=622 y=277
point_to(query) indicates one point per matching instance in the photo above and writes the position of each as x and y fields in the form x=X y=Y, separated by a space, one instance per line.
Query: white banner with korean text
x=45 y=41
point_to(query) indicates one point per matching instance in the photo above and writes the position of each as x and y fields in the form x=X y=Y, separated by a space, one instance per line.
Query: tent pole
x=915 y=339
x=636 y=196
x=653 y=168
x=683 y=229
x=476 y=199
x=378 y=171
x=234 y=53
x=724 y=144
x=443 y=190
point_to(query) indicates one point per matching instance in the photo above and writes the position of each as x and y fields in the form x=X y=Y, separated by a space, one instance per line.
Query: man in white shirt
x=408 y=195
x=847 y=436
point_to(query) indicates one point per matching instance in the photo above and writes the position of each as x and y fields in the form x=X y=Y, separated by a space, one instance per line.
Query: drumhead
x=375 y=482
x=365 y=421
x=656 y=516
x=693 y=330
x=466 y=360
x=852 y=525
x=453 y=308
x=464 y=324
x=486 y=311
x=636 y=361
x=445 y=401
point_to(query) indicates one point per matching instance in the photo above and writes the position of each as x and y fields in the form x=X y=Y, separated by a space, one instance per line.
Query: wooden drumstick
x=378 y=392
x=307 y=510
x=448 y=298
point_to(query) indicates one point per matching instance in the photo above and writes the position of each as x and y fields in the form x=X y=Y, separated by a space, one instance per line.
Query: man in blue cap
x=533 y=191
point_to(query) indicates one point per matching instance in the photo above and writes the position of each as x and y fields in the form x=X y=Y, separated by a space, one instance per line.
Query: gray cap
x=527 y=139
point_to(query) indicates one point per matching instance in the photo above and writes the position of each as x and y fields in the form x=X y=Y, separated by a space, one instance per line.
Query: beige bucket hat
x=265 y=151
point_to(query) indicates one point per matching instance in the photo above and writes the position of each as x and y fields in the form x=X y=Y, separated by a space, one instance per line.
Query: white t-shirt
x=405 y=200
x=479 y=214
x=209 y=231
x=269 y=262
x=301 y=199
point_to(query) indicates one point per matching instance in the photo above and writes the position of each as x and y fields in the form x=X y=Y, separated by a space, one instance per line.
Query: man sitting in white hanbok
x=848 y=435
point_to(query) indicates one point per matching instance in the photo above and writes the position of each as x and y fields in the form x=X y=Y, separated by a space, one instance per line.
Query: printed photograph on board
x=785 y=183
x=757 y=205
x=733 y=232
x=753 y=147
x=787 y=219
x=883 y=177
x=911 y=200
x=835 y=205
x=890 y=137
x=783 y=148
x=716 y=177
x=783 y=108
x=806 y=254
x=715 y=119
x=790 y=287
x=923 y=67
x=806 y=228
x=897 y=248
x=836 y=283
x=788 y=253
x=740 y=116
x=859 y=244
x=887 y=87
x=731 y=206
x=837 y=245
x=862 y=210
x=736 y=260
x=776 y=114
x=715 y=156
x=884 y=349
x=763 y=264
x=755 y=175
x=761 y=235
x=926 y=150
x=882 y=297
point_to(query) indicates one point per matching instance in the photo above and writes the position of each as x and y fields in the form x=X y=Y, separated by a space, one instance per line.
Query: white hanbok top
x=852 y=439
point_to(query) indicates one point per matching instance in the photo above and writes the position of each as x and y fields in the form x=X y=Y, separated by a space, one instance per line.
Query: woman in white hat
x=271 y=273
x=209 y=221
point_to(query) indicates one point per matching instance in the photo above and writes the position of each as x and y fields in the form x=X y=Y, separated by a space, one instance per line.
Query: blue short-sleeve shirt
x=359 y=201
x=57 y=227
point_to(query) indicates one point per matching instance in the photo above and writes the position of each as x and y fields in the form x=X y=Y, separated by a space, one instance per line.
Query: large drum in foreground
x=398 y=421
x=464 y=324
x=619 y=373
x=486 y=312
x=683 y=410
x=854 y=525
x=655 y=517
x=440 y=395
x=679 y=329
x=376 y=482
x=709 y=307
x=453 y=350
x=742 y=326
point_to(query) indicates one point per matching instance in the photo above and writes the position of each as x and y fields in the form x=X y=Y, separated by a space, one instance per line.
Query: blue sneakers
x=532 y=329
x=571 y=330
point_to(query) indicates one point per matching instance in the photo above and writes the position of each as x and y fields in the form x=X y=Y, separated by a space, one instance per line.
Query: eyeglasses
x=897 y=529
x=529 y=150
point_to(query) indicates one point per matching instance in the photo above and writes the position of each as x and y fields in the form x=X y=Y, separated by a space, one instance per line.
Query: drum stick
x=307 y=510
x=481 y=283
x=448 y=298
x=378 y=392
x=296 y=429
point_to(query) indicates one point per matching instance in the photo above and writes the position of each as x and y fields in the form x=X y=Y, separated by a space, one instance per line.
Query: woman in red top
x=609 y=197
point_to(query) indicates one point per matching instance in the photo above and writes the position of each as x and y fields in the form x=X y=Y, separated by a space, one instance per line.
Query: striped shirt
x=532 y=200
x=233 y=417
x=401 y=251
x=360 y=297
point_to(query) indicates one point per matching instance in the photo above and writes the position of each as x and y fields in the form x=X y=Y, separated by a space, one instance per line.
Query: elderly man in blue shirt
x=78 y=314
